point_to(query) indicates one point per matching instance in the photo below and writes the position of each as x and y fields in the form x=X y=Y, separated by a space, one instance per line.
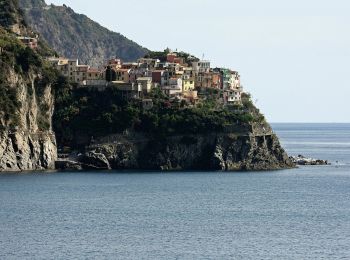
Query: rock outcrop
x=27 y=141
x=30 y=144
x=22 y=151
x=214 y=152
x=302 y=160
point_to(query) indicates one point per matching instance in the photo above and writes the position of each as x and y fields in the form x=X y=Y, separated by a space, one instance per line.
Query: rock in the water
x=302 y=160
x=68 y=165
x=93 y=160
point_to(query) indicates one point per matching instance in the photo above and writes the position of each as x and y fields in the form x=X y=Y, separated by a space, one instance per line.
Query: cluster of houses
x=177 y=78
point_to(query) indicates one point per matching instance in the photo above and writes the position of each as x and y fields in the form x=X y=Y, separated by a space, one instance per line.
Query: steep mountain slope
x=26 y=99
x=76 y=36
x=11 y=16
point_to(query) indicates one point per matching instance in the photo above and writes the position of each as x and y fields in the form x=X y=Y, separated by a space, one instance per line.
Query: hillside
x=109 y=129
x=11 y=16
x=76 y=36
x=26 y=100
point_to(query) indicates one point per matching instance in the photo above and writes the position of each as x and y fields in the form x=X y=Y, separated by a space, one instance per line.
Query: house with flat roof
x=29 y=42
x=146 y=84
x=128 y=90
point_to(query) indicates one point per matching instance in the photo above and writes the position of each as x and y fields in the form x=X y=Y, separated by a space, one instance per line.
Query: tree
x=111 y=75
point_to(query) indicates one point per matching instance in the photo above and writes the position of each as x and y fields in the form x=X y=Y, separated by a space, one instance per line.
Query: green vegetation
x=85 y=113
x=255 y=113
x=17 y=58
x=162 y=55
x=10 y=14
x=76 y=36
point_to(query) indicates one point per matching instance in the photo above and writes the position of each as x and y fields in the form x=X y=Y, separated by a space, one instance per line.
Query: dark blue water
x=294 y=214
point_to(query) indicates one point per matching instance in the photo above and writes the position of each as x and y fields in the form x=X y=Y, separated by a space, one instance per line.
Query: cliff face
x=26 y=138
x=26 y=101
x=76 y=36
x=114 y=134
x=212 y=152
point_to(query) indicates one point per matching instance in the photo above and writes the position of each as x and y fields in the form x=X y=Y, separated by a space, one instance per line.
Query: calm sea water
x=293 y=214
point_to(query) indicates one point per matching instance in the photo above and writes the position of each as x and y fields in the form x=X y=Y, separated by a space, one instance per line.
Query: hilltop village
x=166 y=111
x=179 y=76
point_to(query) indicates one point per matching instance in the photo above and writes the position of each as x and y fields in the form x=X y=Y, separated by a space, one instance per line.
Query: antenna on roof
x=203 y=56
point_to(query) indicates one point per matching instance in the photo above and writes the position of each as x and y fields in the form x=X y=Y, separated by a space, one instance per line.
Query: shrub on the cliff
x=83 y=112
x=26 y=58
x=9 y=105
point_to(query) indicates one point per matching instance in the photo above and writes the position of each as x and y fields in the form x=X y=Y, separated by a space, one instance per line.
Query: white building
x=201 y=66
x=232 y=97
x=146 y=84
x=175 y=82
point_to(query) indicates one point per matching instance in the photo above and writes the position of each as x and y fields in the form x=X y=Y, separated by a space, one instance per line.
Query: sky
x=293 y=56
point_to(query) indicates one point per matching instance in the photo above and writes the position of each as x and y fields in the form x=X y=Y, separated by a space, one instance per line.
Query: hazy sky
x=293 y=56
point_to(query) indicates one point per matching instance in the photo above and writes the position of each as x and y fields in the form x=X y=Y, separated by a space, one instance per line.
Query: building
x=115 y=63
x=134 y=74
x=130 y=65
x=148 y=63
x=173 y=58
x=158 y=76
x=128 y=90
x=188 y=71
x=81 y=73
x=171 y=91
x=99 y=84
x=75 y=72
x=94 y=74
x=146 y=84
x=188 y=83
x=232 y=97
x=29 y=42
x=173 y=88
x=170 y=57
x=175 y=82
x=70 y=69
x=210 y=79
x=229 y=79
x=123 y=75
x=174 y=69
x=201 y=66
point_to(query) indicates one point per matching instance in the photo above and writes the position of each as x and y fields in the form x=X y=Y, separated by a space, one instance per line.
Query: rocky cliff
x=26 y=138
x=26 y=100
x=108 y=132
x=111 y=133
x=211 y=152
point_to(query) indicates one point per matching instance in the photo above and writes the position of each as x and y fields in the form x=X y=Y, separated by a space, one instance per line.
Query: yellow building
x=123 y=75
x=94 y=74
x=187 y=84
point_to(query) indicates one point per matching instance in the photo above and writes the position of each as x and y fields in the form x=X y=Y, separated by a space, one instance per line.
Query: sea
x=301 y=213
